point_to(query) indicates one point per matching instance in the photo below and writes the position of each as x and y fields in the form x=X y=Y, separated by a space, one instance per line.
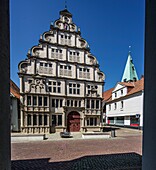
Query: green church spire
x=130 y=73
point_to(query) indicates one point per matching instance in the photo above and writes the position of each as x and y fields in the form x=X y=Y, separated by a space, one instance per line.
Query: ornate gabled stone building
x=60 y=82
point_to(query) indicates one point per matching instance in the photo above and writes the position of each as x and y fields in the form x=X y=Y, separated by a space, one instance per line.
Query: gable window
x=65 y=70
x=56 y=53
x=66 y=39
x=84 y=73
x=115 y=94
x=74 y=56
x=45 y=68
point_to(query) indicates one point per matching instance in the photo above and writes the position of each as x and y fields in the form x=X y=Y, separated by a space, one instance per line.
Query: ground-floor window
x=37 y=120
x=110 y=120
x=134 y=121
x=119 y=120
x=57 y=120
x=91 y=121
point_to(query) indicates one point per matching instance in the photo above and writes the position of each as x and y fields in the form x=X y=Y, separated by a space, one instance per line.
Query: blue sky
x=109 y=26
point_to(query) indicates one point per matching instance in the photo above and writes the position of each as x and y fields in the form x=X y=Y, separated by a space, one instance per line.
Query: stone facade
x=60 y=82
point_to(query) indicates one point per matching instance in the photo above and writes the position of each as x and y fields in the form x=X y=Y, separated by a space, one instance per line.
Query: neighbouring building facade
x=124 y=102
x=14 y=107
x=61 y=84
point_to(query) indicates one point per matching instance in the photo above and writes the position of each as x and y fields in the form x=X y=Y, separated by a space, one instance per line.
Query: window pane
x=40 y=119
x=29 y=120
x=34 y=100
x=68 y=102
x=49 y=89
x=53 y=120
x=40 y=101
x=74 y=91
x=54 y=89
x=75 y=103
x=78 y=91
x=92 y=104
x=45 y=101
x=70 y=91
x=97 y=104
x=72 y=103
x=59 y=120
x=57 y=101
x=34 y=120
x=91 y=121
x=88 y=103
x=53 y=102
x=45 y=119
x=28 y=100
x=95 y=121
x=79 y=103
x=61 y=103
x=59 y=90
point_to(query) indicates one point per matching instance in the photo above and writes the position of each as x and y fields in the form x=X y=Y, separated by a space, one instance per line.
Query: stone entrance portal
x=73 y=122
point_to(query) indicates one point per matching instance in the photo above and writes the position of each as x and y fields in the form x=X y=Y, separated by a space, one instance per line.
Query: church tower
x=130 y=73
x=60 y=82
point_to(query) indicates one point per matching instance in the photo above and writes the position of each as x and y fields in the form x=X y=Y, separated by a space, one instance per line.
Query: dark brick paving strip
x=108 y=154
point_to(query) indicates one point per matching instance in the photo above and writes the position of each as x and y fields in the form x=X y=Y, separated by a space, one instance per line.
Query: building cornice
x=60 y=78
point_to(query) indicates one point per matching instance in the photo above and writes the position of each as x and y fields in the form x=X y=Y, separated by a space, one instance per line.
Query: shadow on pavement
x=122 y=161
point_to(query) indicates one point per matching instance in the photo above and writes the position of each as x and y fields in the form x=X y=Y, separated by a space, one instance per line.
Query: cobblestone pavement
x=120 y=153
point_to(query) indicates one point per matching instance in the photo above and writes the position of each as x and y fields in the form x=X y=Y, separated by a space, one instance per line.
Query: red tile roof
x=107 y=94
x=134 y=87
x=14 y=89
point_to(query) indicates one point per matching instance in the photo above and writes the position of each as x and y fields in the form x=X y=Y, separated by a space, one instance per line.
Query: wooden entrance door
x=73 y=122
